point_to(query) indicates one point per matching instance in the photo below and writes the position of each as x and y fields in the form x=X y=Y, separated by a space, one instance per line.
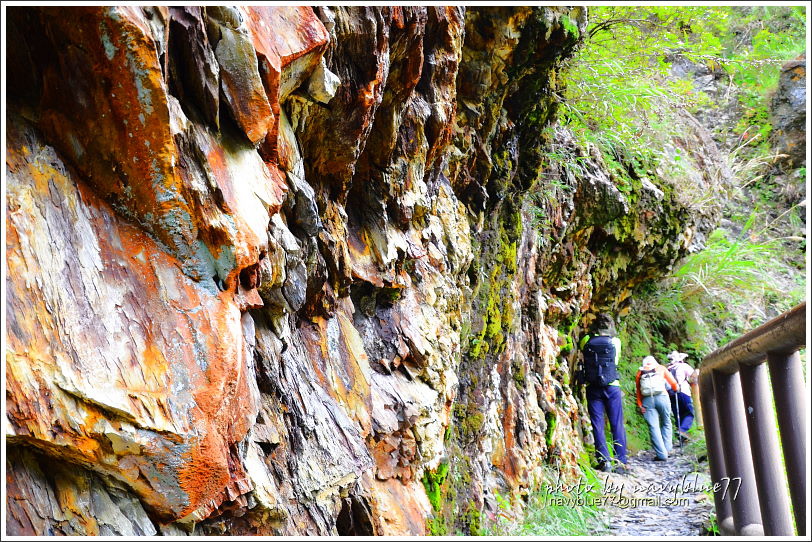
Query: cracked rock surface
x=275 y=270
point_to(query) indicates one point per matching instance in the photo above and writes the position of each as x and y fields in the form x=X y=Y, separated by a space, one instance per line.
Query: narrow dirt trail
x=658 y=498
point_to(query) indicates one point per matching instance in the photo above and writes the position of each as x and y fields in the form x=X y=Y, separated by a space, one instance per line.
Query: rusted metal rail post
x=740 y=430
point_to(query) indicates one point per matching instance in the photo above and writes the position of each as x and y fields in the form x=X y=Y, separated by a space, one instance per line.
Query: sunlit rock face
x=273 y=270
x=788 y=113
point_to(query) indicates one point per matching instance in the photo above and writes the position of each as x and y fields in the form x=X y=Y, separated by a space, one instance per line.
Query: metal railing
x=750 y=481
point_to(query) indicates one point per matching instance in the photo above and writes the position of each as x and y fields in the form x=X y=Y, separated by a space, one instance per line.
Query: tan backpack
x=651 y=383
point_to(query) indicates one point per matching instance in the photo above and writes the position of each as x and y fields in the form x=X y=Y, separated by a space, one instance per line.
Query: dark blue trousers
x=684 y=415
x=607 y=400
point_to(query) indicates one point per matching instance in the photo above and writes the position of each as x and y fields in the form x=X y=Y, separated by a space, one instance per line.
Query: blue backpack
x=599 y=361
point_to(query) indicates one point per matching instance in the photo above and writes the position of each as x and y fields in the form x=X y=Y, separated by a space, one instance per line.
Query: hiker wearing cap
x=601 y=350
x=652 y=400
x=681 y=404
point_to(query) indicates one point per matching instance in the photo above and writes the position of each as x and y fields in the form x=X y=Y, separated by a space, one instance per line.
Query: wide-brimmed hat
x=649 y=363
x=677 y=356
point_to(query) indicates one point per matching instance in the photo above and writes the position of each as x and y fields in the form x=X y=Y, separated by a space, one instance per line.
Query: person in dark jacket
x=601 y=350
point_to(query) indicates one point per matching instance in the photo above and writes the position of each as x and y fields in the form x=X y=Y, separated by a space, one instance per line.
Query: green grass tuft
x=541 y=516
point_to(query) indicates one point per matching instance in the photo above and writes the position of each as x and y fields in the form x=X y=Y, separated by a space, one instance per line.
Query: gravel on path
x=658 y=498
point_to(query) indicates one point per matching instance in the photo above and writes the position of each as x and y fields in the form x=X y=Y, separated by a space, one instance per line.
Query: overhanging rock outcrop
x=274 y=271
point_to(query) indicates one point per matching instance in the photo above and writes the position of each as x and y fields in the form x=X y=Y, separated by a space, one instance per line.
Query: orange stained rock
x=203 y=477
x=252 y=191
x=400 y=507
x=363 y=260
x=284 y=33
x=509 y=464
x=341 y=364
x=117 y=333
x=104 y=106
x=69 y=490
x=397 y=17
x=281 y=35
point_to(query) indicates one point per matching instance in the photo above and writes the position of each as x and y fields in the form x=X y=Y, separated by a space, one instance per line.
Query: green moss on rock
x=519 y=374
x=570 y=27
x=552 y=421
x=432 y=482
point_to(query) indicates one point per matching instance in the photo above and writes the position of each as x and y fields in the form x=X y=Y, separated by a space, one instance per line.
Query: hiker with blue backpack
x=601 y=351
x=681 y=404
x=652 y=400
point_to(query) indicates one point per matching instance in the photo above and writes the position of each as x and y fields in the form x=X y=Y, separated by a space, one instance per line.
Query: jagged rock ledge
x=274 y=270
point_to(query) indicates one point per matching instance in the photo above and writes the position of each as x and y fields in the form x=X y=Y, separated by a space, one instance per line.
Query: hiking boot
x=658 y=458
x=621 y=468
x=604 y=467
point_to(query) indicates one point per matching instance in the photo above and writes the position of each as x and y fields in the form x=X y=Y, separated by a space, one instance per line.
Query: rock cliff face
x=788 y=112
x=275 y=270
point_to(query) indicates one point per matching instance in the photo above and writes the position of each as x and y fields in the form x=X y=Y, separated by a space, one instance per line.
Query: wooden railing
x=741 y=434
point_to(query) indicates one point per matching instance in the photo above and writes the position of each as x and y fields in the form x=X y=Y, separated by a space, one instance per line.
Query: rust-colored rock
x=104 y=106
x=789 y=113
x=117 y=361
x=289 y=43
x=270 y=269
x=239 y=74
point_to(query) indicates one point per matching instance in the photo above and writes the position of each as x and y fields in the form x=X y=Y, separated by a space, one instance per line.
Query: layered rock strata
x=275 y=270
